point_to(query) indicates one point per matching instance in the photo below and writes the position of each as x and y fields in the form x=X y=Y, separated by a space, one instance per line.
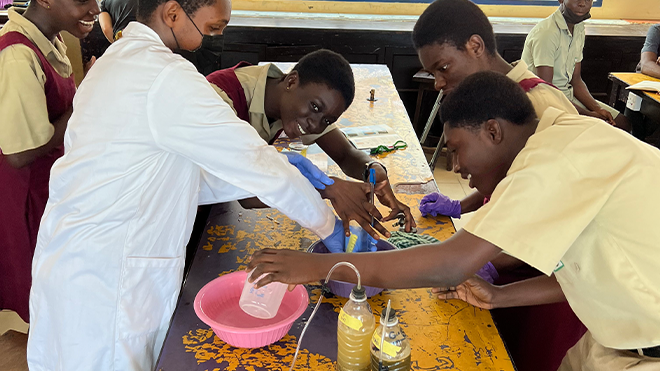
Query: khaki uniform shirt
x=551 y=44
x=253 y=80
x=581 y=200
x=24 y=123
x=542 y=95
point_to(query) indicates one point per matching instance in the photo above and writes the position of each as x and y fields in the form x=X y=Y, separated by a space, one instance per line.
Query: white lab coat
x=148 y=140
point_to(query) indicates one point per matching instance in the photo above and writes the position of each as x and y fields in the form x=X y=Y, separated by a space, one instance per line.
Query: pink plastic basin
x=341 y=288
x=216 y=304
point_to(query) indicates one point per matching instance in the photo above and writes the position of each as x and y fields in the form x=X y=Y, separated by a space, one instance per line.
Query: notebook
x=653 y=86
x=366 y=137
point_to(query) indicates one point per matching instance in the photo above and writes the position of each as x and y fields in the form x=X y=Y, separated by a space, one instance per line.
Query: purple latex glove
x=488 y=273
x=435 y=204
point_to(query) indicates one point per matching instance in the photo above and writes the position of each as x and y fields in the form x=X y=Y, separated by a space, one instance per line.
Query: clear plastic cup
x=263 y=302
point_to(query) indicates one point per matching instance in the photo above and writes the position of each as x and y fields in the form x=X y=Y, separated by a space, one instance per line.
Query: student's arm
x=581 y=93
x=22 y=159
x=445 y=264
x=472 y=202
x=188 y=119
x=650 y=66
x=352 y=162
x=105 y=21
x=545 y=72
x=534 y=291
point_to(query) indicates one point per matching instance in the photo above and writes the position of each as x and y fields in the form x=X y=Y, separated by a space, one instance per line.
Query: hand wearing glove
x=438 y=204
x=488 y=273
x=315 y=176
x=338 y=241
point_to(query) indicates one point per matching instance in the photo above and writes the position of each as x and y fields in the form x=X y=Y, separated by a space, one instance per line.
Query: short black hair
x=327 y=67
x=145 y=8
x=483 y=96
x=453 y=22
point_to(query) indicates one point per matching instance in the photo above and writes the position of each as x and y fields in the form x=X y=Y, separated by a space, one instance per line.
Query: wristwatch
x=367 y=167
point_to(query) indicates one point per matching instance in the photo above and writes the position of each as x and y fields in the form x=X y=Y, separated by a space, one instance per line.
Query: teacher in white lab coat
x=148 y=141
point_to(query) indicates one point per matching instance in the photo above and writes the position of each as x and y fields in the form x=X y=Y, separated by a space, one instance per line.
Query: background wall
x=644 y=10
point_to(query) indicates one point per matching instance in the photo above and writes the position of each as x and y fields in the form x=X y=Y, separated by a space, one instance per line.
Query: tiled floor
x=449 y=183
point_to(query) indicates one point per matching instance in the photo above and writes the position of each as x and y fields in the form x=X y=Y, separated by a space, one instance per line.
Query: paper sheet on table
x=365 y=137
x=653 y=86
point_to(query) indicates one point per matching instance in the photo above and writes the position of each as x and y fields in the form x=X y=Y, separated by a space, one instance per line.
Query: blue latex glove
x=337 y=241
x=438 y=204
x=315 y=176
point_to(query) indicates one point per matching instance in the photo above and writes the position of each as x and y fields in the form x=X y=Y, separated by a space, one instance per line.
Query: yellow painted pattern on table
x=444 y=334
x=407 y=165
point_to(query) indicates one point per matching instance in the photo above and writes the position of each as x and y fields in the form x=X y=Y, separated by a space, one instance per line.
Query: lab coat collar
x=136 y=29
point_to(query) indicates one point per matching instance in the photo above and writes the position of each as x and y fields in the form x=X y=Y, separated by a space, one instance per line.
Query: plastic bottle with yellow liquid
x=396 y=347
x=354 y=331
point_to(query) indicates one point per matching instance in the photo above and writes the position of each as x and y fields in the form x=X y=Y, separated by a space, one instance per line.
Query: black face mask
x=206 y=57
x=571 y=17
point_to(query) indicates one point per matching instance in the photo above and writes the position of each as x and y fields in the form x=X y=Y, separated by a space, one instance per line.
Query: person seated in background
x=649 y=63
x=36 y=98
x=553 y=51
x=305 y=103
x=597 y=250
x=115 y=16
x=643 y=127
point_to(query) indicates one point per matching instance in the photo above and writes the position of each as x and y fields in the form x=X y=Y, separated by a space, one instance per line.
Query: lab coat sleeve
x=189 y=119
x=213 y=190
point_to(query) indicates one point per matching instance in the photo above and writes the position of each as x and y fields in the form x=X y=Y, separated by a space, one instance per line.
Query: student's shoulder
x=545 y=28
x=19 y=55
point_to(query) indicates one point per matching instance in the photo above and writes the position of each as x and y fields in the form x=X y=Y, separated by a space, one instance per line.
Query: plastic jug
x=263 y=302
x=396 y=347
x=354 y=330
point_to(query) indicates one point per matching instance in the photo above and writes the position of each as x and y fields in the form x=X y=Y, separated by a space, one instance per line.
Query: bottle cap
x=392 y=318
x=359 y=293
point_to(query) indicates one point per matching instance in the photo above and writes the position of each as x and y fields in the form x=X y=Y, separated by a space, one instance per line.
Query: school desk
x=650 y=100
x=443 y=334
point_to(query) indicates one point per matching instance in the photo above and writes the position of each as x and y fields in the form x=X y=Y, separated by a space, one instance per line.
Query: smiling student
x=598 y=250
x=36 y=96
x=305 y=103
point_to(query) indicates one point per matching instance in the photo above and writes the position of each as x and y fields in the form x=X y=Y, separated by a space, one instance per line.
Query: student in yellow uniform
x=553 y=50
x=451 y=48
x=36 y=96
x=572 y=197
x=305 y=103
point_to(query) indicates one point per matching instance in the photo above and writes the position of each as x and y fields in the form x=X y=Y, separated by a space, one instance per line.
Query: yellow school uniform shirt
x=551 y=44
x=542 y=95
x=581 y=199
x=253 y=80
x=24 y=123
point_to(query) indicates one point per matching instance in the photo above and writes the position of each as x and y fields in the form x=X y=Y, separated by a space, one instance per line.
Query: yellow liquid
x=400 y=365
x=354 y=351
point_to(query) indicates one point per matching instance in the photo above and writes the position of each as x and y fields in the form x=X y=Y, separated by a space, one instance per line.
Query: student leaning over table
x=305 y=103
x=36 y=95
x=572 y=197
x=110 y=251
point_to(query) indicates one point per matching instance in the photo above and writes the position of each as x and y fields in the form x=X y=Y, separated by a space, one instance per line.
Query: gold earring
x=47 y=6
x=288 y=88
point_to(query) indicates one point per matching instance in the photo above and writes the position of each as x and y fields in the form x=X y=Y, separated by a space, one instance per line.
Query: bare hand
x=473 y=291
x=386 y=197
x=657 y=61
x=351 y=202
x=287 y=266
x=604 y=115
